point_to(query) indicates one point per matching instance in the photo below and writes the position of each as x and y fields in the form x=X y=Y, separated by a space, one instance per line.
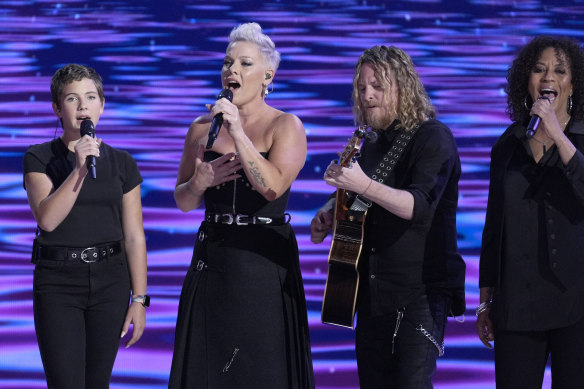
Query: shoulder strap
x=385 y=166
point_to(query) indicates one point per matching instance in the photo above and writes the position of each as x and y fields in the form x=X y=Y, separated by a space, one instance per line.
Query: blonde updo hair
x=252 y=32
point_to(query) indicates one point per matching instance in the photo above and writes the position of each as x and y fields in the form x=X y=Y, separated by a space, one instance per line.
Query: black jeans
x=521 y=357
x=408 y=360
x=79 y=311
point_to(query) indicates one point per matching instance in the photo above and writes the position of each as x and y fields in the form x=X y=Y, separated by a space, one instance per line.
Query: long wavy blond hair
x=414 y=105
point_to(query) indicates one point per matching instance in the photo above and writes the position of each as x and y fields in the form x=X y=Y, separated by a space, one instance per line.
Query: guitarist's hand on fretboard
x=322 y=222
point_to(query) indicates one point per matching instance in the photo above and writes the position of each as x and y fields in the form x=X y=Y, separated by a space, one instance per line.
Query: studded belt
x=243 y=220
x=87 y=254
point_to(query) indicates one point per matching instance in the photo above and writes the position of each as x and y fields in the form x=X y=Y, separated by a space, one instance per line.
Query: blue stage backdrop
x=161 y=62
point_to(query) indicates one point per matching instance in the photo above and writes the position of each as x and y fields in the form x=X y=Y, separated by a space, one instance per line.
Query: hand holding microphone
x=534 y=122
x=218 y=119
x=87 y=128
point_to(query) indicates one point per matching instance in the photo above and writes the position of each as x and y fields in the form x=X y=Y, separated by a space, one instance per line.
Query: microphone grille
x=227 y=94
x=87 y=127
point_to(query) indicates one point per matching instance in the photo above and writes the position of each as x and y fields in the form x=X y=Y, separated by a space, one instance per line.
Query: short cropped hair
x=252 y=32
x=73 y=72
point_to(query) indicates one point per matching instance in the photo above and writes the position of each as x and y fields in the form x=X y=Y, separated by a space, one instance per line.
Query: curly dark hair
x=519 y=73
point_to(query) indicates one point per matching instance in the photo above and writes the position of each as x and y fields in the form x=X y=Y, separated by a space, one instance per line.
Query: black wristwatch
x=143 y=299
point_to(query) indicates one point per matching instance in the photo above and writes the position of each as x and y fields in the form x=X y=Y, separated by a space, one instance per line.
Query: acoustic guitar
x=340 y=293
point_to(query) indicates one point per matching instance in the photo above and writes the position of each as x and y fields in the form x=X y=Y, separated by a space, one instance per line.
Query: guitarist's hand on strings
x=350 y=178
x=322 y=222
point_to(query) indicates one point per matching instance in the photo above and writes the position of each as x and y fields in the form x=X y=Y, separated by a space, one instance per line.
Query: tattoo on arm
x=256 y=174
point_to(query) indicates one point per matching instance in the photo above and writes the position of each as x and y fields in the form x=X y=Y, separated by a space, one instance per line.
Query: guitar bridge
x=349 y=232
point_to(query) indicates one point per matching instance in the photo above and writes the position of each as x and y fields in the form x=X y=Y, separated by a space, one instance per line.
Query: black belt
x=243 y=220
x=87 y=254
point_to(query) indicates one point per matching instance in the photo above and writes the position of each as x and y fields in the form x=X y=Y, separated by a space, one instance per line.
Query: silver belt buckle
x=229 y=218
x=85 y=257
x=238 y=220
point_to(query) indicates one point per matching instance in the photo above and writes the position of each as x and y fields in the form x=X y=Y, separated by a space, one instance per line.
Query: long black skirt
x=242 y=320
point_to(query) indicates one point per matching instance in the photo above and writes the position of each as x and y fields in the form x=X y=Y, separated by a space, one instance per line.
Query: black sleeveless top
x=239 y=196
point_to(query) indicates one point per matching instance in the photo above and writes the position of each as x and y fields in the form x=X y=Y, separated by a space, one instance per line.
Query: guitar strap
x=385 y=166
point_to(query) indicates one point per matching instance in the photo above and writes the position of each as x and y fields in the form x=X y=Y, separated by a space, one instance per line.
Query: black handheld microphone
x=87 y=128
x=534 y=122
x=218 y=119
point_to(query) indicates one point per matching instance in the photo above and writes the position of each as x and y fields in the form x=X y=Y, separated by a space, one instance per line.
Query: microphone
x=532 y=126
x=218 y=119
x=534 y=122
x=87 y=128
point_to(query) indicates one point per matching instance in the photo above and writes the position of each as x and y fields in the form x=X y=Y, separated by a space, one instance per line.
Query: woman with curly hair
x=531 y=266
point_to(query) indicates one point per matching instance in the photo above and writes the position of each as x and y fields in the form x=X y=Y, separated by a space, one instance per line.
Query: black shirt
x=96 y=216
x=534 y=234
x=403 y=259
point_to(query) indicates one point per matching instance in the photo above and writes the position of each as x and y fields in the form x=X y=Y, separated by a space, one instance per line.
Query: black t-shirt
x=96 y=216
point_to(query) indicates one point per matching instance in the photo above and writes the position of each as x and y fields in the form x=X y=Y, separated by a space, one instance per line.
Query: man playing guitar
x=409 y=262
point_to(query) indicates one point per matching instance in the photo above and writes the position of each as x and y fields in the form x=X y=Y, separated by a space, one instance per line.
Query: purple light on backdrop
x=162 y=64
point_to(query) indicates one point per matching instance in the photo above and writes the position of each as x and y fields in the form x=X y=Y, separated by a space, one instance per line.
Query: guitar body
x=342 y=283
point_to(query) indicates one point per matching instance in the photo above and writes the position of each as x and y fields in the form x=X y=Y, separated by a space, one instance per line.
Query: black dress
x=242 y=319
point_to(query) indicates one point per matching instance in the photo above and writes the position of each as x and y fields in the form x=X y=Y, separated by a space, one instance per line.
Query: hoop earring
x=569 y=105
x=525 y=103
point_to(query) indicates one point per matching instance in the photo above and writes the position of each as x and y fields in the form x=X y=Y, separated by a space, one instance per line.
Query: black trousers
x=79 y=311
x=521 y=357
x=408 y=360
